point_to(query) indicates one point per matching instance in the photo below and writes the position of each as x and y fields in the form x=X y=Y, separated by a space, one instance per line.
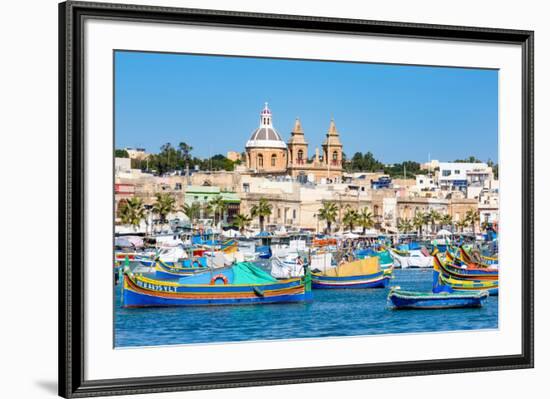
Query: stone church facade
x=268 y=154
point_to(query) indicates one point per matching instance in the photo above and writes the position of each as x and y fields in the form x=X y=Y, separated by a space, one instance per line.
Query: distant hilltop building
x=268 y=154
x=137 y=153
x=233 y=156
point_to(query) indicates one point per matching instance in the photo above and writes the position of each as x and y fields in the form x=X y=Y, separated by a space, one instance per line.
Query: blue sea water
x=333 y=313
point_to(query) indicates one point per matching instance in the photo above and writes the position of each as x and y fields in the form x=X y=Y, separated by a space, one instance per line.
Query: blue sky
x=397 y=112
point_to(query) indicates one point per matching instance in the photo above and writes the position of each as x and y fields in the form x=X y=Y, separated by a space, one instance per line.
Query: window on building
x=300 y=155
x=246 y=187
x=273 y=160
x=260 y=161
x=457 y=172
x=294 y=214
x=279 y=213
x=421 y=181
x=335 y=156
x=178 y=186
x=446 y=172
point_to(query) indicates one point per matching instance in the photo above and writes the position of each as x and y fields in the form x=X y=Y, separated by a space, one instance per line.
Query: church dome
x=265 y=136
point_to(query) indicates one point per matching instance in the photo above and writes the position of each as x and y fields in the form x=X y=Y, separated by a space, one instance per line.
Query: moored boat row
x=193 y=277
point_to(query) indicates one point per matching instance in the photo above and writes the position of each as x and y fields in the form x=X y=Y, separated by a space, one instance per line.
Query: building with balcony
x=460 y=175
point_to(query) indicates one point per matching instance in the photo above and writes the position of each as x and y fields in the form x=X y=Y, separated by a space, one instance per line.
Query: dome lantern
x=265 y=136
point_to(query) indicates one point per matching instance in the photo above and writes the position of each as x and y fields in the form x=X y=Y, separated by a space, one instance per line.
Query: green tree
x=131 y=212
x=163 y=206
x=192 y=211
x=470 y=159
x=433 y=217
x=218 y=207
x=446 y=220
x=328 y=213
x=404 y=225
x=419 y=221
x=351 y=217
x=261 y=210
x=365 y=219
x=242 y=221
x=185 y=153
x=472 y=217
x=462 y=223
x=121 y=153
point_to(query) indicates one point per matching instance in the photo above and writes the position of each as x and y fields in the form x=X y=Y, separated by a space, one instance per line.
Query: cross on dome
x=266 y=110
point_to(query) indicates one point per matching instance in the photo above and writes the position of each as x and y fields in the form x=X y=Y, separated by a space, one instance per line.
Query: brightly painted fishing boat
x=385 y=260
x=241 y=284
x=463 y=271
x=477 y=258
x=444 y=282
x=362 y=273
x=428 y=300
x=461 y=255
x=188 y=267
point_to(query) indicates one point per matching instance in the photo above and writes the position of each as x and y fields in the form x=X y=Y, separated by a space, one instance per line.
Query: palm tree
x=242 y=221
x=446 y=220
x=365 y=219
x=433 y=217
x=419 y=221
x=191 y=211
x=350 y=218
x=404 y=225
x=462 y=223
x=261 y=210
x=185 y=151
x=328 y=213
x=132 y=212
x=164 y=205
x=218 y=206
x=472 y=218
x=486 y=226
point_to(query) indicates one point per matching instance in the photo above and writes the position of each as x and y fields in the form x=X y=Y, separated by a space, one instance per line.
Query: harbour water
x=333 y=313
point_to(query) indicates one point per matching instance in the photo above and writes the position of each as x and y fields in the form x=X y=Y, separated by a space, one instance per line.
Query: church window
x=273 y=160
x=300 y=155
x=335 y=156
x=260 y=161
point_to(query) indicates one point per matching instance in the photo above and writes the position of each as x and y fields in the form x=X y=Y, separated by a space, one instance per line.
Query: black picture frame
x=71 y=200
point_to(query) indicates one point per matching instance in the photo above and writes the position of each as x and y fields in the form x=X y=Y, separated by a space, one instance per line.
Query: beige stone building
x=233 y=156
x=137 y=153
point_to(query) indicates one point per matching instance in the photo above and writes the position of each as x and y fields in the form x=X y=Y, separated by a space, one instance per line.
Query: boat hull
x=436 y=301
x=380 y=280
x=141 y=292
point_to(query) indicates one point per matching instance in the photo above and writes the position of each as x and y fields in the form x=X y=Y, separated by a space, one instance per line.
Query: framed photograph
x=253 y=199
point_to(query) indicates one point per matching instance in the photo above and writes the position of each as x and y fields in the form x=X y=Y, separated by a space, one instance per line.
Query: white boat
x=413 y=258
x=293 y=265
x=292 y=248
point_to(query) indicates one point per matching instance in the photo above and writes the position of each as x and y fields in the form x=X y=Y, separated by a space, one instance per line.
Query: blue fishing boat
x=263 y=251
x=187 y=267
x=443 y=282
x=241 y=284
x=444 y=300
x=376 y=280
x=362 y=273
